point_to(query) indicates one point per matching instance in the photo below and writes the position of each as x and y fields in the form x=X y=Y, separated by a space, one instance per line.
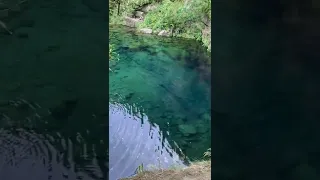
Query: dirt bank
x=196 y=171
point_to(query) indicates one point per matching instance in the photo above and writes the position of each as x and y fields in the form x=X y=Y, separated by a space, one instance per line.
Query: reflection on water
x=135 y=141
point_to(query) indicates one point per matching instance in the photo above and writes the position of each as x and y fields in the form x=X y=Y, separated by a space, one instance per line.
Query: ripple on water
x=135 y=141
x=27 y=155
x=28 y=150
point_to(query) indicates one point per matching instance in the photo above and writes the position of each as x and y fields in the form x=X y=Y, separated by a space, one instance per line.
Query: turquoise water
x=163 y=85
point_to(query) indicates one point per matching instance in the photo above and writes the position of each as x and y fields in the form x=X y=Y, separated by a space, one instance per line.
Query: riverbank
x=166 y=18
x=196 y=171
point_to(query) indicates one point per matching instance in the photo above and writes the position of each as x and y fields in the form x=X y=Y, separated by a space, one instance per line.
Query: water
x=159 y=102
x=53 y=100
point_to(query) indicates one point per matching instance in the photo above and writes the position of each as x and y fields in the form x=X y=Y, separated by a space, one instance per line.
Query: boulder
x=131 y=22
x=139 y=14
x=164 y=33
x=149 y=7
x=146 y=30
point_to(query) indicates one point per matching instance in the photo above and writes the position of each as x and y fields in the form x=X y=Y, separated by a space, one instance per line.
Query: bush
x=112 y=54
x=184 y=18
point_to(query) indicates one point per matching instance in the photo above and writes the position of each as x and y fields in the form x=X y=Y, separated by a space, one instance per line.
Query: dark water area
x=266 y=92
x=53 y=91
x=159 y=104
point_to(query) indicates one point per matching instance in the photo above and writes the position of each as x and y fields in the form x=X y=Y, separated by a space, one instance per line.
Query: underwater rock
x=129 y=96
x=202 y=128
x=205 y=117
x=176 y=121
x=187 y=129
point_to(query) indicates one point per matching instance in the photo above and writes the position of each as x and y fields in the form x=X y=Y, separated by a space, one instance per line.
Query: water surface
x=53 y=100
x=160 y=101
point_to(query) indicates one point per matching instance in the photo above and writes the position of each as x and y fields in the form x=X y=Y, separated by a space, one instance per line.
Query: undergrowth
x=182 y=18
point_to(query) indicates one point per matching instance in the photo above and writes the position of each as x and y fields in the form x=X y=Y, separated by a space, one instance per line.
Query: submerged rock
x=202 y=128
x=205 y=117
x=187 y=129
x=129 y=96
x=146 y=30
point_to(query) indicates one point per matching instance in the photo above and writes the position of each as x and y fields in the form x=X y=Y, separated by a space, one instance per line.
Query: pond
x=159 y=100
x=53 y=100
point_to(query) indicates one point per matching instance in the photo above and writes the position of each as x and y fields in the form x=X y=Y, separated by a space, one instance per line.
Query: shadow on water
x=135 y=141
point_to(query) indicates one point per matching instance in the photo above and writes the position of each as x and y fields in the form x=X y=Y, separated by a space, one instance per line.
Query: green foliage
x=183 y=17
x=112 y=54
x=207 y=153
x=127 y=7
x=140 y=169
x=114 y=19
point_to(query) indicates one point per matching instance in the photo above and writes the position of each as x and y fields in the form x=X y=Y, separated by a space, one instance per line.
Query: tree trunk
x=119 y=8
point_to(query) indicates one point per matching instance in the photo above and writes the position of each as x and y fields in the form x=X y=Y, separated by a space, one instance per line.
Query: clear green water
x=53 y=92
x=163 y=83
